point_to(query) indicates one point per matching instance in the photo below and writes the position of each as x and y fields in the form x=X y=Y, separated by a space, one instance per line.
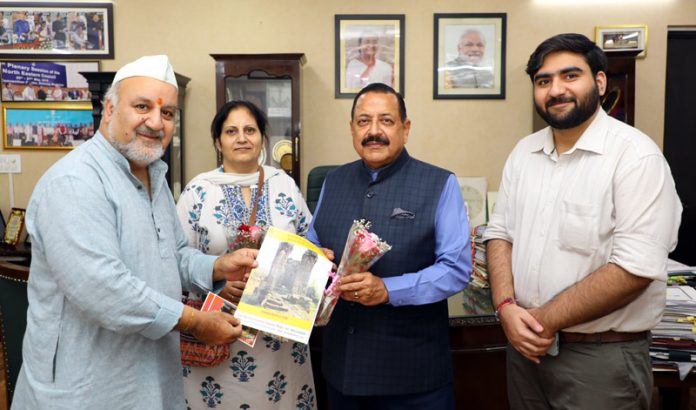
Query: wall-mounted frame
x=45 y=81
x=369 y=49
x=469 y=56
x=56 y=30
x=13 y=230
x=41 y=126
x=623 y=38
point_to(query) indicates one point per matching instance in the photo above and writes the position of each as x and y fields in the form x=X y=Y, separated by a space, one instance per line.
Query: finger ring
x=355 y=295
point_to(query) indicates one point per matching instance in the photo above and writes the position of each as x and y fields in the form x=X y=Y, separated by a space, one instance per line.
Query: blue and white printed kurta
x=274 y=374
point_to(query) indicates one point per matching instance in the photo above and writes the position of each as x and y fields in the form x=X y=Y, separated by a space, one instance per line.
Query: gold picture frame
x=46 y=126
x=626 y=37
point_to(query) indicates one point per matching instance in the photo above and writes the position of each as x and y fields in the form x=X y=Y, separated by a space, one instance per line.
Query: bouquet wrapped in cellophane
x=362 y=250
x=241 y=235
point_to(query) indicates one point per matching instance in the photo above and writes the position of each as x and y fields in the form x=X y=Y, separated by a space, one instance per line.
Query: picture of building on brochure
x=284 y=291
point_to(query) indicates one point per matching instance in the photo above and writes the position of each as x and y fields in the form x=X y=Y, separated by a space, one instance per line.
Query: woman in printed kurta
x=274 y=374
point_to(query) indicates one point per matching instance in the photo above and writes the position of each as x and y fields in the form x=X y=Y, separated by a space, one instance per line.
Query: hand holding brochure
x=283 y=292
x=214 y=302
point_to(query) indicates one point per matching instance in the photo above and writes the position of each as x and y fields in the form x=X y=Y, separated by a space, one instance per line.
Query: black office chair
x=13 y=319
x=315 y=179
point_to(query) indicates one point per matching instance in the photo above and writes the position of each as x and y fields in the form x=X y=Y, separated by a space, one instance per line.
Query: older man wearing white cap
x=109 y=261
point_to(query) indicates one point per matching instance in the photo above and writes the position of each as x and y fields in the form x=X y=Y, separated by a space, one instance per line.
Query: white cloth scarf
x=220 y=177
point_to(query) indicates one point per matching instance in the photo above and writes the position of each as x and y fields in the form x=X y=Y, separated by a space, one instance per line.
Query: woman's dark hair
x=224 y=111
x=572 y=42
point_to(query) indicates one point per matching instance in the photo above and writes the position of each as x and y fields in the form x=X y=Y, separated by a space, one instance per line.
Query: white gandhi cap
x=156 y=67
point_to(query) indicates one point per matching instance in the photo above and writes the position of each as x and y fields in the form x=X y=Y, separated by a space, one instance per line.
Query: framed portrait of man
x=469 y=58
x=369 y=49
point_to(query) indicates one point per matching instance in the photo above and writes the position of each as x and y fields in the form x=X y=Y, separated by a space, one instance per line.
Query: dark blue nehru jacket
x=384 y=349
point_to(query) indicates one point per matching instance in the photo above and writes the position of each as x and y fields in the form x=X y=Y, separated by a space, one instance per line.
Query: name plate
x=13 y=230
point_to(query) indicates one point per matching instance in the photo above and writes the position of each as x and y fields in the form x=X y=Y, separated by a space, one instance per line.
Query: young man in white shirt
x=586 y=214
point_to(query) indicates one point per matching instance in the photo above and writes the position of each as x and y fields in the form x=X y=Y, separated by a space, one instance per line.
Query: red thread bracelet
x=506 y=301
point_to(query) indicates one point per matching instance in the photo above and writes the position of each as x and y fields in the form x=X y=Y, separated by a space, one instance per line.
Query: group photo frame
x=618 y=38
x=56 y=30
x=57 y=81
x=369 y=49
x=469 y=55
x=46 y=126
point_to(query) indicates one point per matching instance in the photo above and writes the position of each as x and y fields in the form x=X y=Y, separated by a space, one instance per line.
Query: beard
x=139 y=151
x=583 y=110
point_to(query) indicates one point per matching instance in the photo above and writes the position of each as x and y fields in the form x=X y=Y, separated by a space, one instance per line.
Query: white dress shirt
x=610 y=198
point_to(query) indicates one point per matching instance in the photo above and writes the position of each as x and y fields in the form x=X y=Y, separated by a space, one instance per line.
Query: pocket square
x=399 y=213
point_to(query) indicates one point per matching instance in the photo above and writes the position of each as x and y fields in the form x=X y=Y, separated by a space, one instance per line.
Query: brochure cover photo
x=284 y=291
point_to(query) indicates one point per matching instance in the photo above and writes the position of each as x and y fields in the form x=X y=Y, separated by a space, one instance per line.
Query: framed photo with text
x=469 y=56
x=56 y=30
x=41 y=126
x=369 y=49
x=623 y=38
x=45 y=80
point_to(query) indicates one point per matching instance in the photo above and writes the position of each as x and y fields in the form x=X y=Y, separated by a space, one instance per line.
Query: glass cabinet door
x=274 y=97
x=272 y=82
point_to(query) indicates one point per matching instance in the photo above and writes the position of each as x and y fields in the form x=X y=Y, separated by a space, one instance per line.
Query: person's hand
x=538 y=315
x=233 y=290
x=234 y=266
x=212 y=328
x=328 y=253
x=364 y=288
x=524 y=332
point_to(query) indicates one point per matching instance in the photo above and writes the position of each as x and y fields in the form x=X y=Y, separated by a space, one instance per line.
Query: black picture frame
x=352 y=73
x=70 y=30
x=469 y=55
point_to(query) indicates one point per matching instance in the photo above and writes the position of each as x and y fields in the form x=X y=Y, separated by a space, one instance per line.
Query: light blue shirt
x=452 y=268
x=108 y=264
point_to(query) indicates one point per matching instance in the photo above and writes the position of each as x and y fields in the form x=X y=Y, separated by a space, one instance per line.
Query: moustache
x=559 y=100
x=374 y=138
x=145 y=130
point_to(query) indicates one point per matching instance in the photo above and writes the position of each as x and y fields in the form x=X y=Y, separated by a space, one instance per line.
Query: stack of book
x=674 y=338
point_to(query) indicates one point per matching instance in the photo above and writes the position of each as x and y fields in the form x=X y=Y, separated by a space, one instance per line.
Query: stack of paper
x=674 y=338
x=479 y=272
x=475 y=299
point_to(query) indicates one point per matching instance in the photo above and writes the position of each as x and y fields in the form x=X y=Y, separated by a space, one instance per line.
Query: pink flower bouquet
x=244 y=236
x=362 y=250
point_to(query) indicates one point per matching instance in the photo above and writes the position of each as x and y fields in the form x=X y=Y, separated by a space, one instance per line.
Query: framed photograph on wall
x=623 y=38
x=56 y=30
x=369 y=49
x=40 y=126
x=45 y=80
x=469 y=56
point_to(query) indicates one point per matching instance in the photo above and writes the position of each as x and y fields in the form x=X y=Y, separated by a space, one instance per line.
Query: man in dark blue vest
x=386 y=345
